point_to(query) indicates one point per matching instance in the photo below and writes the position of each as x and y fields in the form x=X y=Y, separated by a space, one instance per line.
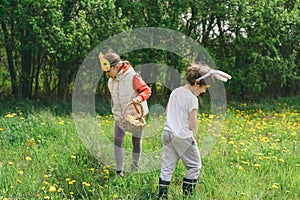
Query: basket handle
x=141 y=114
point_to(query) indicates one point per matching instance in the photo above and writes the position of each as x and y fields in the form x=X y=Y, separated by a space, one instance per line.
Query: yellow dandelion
x=100 y=187
x=59 y=190
x=256 y=166
x=19 y=181
x=10 y=163
x=9 y=115
x=115 y=196
x=46 y=176
x=28 y=158
x=73 y=157
x=231 y=142
x=245 y=162
x=31 y=142
x=47 y=197
x=90 y=191
x=45 y=183
x=21 y=172
x=281 y=160
x=68 y=179
x=92 y=169
x=52 y=189
x=275 y=186
x=5 y=198
x=241 y=168
x=70 y=182
x=71 y=193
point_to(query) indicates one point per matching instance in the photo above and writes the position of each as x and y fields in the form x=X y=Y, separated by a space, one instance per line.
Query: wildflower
x=293 y=133
x=256 y=166
x=10 y=115
x=73 y=157
x=71 y=182
x=19 y=181
x=30 y=142
x=61 y=122
x=100 y=187
x=68 y=179
x=281 y=160
x=92 y=169
x=28 y=158
x=21 y=172
x=59 y=190
x=115 y=196
x=275 y=186
x=71 y=193
x=245 y=162
x=52 y=189
x=86 y=184
x=231 y=142
x=10 y=163
x=241 y=168
x=47 y=197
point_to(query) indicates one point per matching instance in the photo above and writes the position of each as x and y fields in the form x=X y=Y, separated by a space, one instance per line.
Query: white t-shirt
x=181 y=103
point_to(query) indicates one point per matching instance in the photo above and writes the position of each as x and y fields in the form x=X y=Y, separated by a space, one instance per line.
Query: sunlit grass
x=256 y=157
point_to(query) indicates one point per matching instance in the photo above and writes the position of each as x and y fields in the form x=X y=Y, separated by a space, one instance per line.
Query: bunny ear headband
x=222 y=76
x=105 y=65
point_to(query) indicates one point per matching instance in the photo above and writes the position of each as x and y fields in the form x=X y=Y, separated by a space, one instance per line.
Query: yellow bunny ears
x=105 y=65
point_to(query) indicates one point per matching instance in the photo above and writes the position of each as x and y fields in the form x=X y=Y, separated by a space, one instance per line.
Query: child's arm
x=193 y=120
x=144 y=92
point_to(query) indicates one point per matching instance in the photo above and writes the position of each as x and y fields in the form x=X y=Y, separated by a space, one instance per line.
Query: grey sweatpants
x=175 y=149
x=118 y=147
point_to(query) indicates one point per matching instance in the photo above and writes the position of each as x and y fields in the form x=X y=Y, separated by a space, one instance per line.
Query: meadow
x=256 y=156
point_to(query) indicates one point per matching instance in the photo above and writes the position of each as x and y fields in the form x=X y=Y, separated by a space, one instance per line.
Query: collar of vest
x=122 y=73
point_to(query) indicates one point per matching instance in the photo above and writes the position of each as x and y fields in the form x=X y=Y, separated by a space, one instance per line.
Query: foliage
x=43 y=43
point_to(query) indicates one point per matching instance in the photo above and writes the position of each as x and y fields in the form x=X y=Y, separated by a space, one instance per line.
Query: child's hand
x=136 y=100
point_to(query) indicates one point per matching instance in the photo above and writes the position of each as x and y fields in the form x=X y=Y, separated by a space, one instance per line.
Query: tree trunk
x=9 y=52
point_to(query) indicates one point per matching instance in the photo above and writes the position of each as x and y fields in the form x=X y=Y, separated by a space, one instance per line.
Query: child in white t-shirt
x=177 y=138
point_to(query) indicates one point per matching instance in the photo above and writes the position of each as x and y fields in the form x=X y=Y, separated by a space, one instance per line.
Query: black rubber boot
x=163 y=189
x=163 y=193
x=188 y=187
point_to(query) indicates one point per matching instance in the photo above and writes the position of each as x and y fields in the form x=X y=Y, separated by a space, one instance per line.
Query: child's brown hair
x=195 y=71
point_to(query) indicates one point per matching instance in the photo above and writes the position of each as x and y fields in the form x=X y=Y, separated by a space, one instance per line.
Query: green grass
x=42 y=157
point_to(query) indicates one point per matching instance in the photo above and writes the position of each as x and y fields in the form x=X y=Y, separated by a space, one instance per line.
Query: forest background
x=43 y=43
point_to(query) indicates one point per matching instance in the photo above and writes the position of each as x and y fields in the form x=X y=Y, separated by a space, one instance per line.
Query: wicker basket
x=133 y=122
